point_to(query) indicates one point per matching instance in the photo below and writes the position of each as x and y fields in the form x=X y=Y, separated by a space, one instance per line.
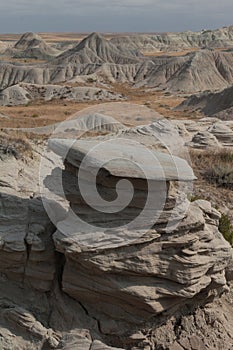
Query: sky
x=18 y=16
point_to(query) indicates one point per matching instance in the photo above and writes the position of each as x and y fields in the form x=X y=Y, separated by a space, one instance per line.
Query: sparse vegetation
x=215 y=166
x=226 y=228
x=91 y=80
x=57 y=110
x=193 y=197
x=14 y=144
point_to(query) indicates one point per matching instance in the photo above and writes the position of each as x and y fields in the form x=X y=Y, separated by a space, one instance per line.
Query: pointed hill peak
x=92 y=41
x=28 y=39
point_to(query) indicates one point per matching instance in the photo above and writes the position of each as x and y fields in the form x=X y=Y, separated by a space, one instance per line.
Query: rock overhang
x=119 y=156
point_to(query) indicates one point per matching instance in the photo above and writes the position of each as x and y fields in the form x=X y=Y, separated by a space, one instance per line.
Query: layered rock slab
x=157 y=271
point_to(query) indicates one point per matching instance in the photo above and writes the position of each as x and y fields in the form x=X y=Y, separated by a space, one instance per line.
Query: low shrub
x=226 y=228
x=221 y=174
x=216 y=166
x=193 y=197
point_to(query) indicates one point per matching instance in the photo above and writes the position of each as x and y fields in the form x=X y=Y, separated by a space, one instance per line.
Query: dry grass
x=226 y=228
x=177 y=53
x=206 y=187
x=169 y=53
x=63 y=37
x=23 y=60
x=39 y=113
x=42 y=113
x=58 y=37
x=159 y=101
x=14 y=144
x=215 y=167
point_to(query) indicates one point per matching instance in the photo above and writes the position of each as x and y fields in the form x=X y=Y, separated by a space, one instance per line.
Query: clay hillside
x=186 y=73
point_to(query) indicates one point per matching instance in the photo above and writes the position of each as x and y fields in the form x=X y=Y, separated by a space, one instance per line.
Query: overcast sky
x=17 y=16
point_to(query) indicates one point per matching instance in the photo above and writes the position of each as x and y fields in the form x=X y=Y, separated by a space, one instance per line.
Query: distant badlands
x=121 y=59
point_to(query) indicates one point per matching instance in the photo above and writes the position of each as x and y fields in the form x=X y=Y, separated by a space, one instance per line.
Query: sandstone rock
x=22 y=94
x=223 y=133
x=98 y=345
x=25 y=327
x=195 y=249
x=74 y=340
x=74 y=295
x=204 y=140
x=175 y=346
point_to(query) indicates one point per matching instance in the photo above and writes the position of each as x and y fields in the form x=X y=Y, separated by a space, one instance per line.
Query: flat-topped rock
x=128 y=276
x=117 y=155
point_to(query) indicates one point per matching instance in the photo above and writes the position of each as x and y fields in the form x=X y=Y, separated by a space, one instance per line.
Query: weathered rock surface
x=25 y=93
x=58 y=293
x=31 y=45
x=219 y=104
x=204 y=328
x=223 y=133
x=27 y=253
x=204 y=140
x=96 y=57
x=95 y=49
x=154 y=273
x=206 y=133
x=222 y=37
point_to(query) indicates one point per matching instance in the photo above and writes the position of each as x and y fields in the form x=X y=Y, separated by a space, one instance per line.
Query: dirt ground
x=43 y=113
x=58 y=37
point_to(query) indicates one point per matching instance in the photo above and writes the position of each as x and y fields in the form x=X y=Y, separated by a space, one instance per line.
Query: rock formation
x=97 y=57
x=205 y=133
x=31 y=45
x=219 y=104
x=66 y=288
x=223 y=133
x=106 y=252
x=222 y=37
x=22 y=94
x=95 y=49
x=204 y=140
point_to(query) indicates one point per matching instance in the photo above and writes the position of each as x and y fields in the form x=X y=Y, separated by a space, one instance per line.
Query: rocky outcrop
x=66 y=288
x=223 y=133
x=27 y=253
x=222 y=37
x=22 y=94
x=204 y=140
x=129 y=279
x=206 y=133
x=219 y=104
